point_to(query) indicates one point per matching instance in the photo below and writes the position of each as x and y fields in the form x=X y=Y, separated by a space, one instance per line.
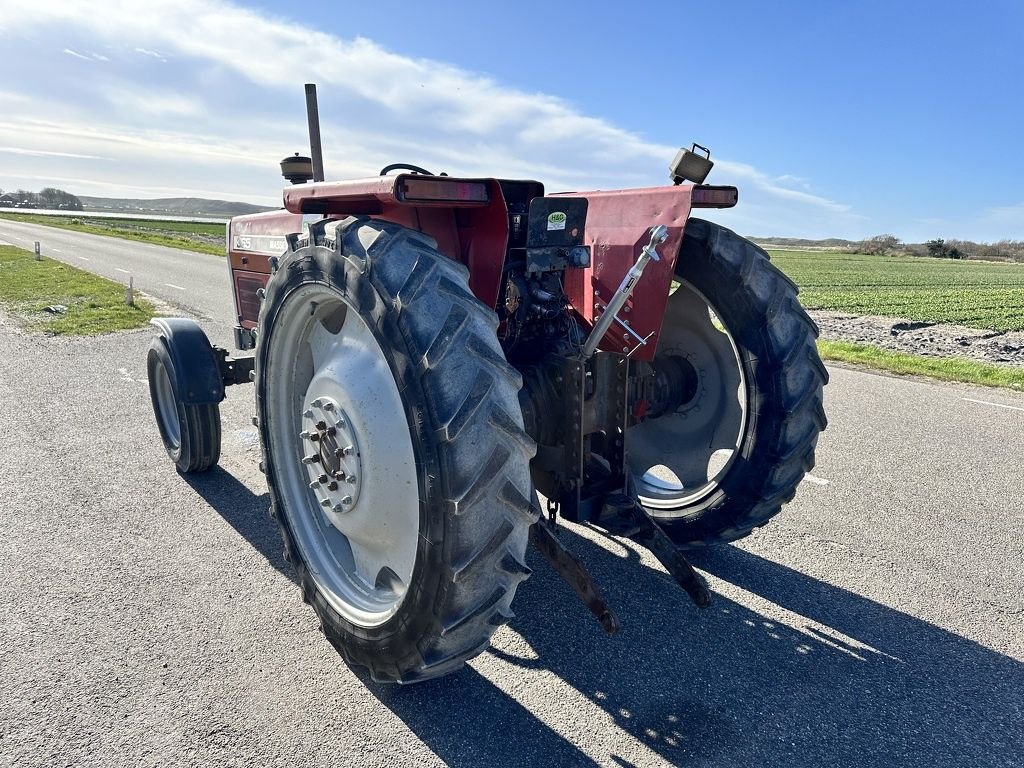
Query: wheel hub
x=331 y=454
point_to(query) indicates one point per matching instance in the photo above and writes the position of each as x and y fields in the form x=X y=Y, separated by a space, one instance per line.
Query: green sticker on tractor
x=556 y=220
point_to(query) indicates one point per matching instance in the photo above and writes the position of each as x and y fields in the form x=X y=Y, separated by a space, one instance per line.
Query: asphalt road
x=151 y=620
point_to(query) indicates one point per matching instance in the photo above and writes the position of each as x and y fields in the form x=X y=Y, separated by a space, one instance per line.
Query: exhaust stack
x=313 y=117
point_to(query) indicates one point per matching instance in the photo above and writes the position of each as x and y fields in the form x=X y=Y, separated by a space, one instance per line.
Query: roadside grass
x=976 y=294
x=201 y=237
x=944 y=368
x=94 y=304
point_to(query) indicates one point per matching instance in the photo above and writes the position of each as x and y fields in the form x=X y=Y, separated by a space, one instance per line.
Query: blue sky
x=844 y=119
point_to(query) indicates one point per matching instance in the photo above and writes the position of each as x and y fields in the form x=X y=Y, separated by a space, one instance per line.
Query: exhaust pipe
x=313 y=118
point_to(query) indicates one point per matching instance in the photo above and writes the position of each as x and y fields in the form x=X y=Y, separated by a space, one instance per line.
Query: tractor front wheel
x=394 y=448
x=726 y=460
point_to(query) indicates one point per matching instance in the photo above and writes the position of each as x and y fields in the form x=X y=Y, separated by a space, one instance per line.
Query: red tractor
x=431 y=351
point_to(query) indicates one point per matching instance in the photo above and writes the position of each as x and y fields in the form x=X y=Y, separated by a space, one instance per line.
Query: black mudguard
x=196 y=370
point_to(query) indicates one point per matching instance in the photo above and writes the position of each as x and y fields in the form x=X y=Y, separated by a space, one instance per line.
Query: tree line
x=49 y=198
x=890 y=245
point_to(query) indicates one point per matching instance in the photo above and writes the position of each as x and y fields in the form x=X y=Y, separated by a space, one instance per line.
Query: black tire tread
x=451 y=368
x=791 y=415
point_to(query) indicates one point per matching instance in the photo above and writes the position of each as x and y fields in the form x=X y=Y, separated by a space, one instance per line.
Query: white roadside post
x=39 y=255
x=129 y=292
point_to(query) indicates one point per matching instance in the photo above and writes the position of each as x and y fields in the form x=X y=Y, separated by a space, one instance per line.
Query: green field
x=93 y=304
x=976 y=294
x=199 y=236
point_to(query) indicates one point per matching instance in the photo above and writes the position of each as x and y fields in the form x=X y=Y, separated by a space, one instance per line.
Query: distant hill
x=796 y=242
x=171 y=206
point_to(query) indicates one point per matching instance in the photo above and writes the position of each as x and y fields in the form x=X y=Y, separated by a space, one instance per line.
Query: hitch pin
x=658 y=236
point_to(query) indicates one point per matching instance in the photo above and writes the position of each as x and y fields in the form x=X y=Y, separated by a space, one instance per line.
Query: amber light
x=714 y=197
x=443 y=191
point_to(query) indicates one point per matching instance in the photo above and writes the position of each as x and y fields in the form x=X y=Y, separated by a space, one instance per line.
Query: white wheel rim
x=331 y=395
x=167 y=406
x=679 y=459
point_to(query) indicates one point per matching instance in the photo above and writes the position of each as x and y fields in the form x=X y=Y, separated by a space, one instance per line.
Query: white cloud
x=147 y=52
x=392 y=107
x=47 y=153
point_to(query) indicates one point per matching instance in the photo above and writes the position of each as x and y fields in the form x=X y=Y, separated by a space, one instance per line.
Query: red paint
x=618 y=225
x=476 y=234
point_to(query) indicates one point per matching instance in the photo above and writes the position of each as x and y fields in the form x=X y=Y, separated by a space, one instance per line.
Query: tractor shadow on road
x=245 y=511
x=843 y=681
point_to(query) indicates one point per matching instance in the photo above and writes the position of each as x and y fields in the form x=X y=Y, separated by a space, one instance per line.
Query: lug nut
x=322 y=479
x=339 y=508
x=328 y=406
x=308 y=414
x=352 y=479
x=331 y=432
x=304 y=435
x=313 y=437
x=332 y=486
x=317 y=403
x=339 y=475
x=339 y=423
x=346 y=500
x=321 y=425
x=314 y=485
x=312 y=459
x=325 y=502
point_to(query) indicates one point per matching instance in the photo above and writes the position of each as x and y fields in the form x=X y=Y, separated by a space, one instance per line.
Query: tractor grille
x=246 y=285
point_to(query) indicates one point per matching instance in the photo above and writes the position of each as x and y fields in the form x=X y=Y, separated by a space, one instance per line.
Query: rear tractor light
x=412 y=189
x=704 y=196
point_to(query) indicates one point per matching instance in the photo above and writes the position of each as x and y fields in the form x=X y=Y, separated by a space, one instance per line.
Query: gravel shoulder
x=921 y=338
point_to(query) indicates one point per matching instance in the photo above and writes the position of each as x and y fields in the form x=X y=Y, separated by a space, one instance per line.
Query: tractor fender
x=196 y=376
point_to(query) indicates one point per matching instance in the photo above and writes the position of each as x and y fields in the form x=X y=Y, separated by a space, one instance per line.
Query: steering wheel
x=405 y=167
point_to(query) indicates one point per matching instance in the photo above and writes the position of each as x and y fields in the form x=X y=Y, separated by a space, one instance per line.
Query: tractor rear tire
x=370 y=329
x=776 y=381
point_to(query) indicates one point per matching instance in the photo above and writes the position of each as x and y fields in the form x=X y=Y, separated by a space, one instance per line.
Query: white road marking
x=816 y=480
x=997 y=405
x=84 y=258
x=122 y=270
x=56 y=250
x=172 y=285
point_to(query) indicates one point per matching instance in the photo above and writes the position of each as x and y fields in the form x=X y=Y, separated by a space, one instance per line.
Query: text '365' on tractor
x=433 y=351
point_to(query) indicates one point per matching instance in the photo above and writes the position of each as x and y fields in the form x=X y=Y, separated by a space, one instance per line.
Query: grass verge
x=189 y=236
x=94 y=304
x=944 y=368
